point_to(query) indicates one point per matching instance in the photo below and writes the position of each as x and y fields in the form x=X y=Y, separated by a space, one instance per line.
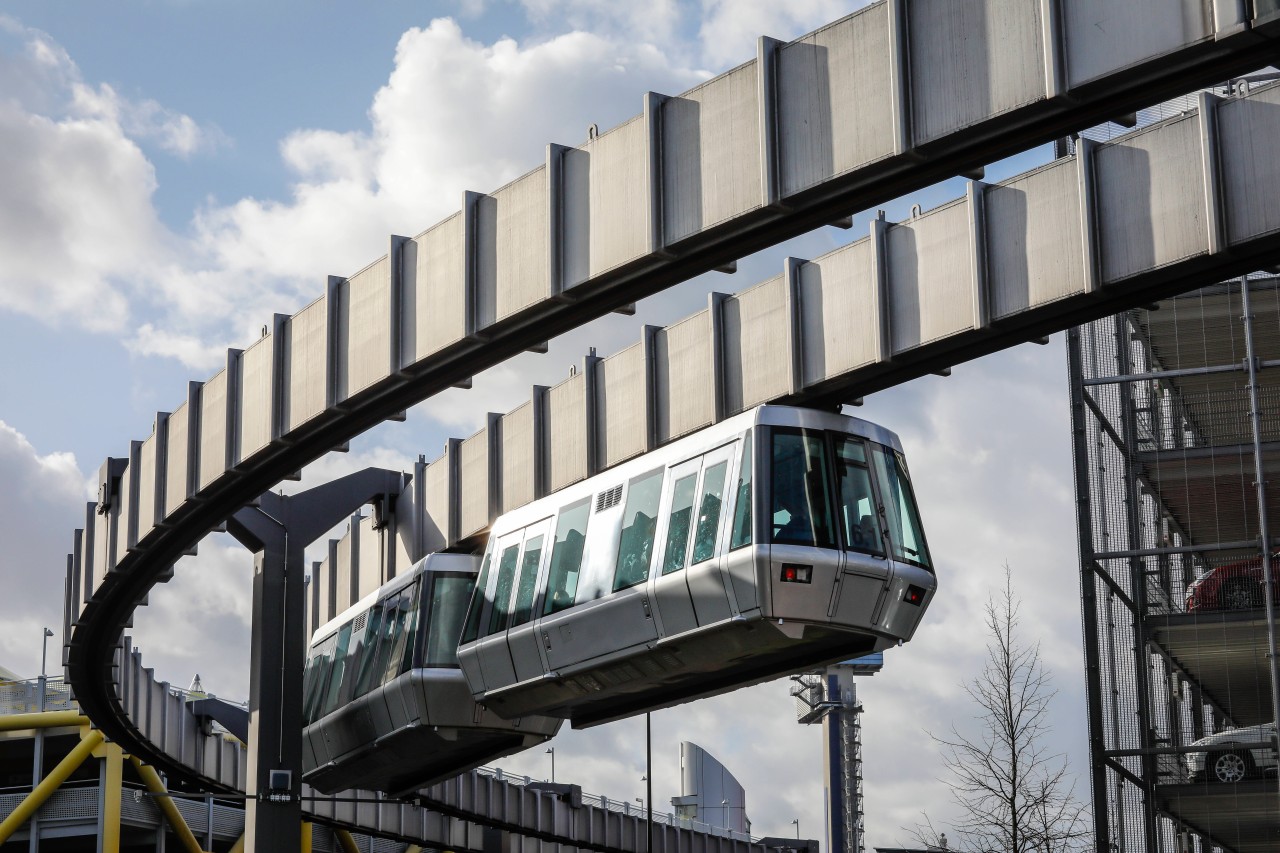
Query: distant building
x=709 y=793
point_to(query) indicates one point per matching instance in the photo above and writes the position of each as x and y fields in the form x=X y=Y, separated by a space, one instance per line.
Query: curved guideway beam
x=446 y=304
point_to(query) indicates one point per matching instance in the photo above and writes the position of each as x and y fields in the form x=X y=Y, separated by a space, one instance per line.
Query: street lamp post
x=796 y=821
x=37 y=758
x=551 y=750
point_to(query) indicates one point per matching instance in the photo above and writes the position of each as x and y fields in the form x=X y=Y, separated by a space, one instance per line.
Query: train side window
x=906 y=535
x=334 y=685
x=801 y=508
x=742 y=503
x=704 y=543
x=401 y=620
x=448 y=599
x=375 y=638
x=639 y=524
x=361 y=639
x=528 y=582
x=857 y=508
x=679 y=523
x=414 y=622
x=500 y=609
x=317 y=672
x=566 y=557
x=471 y=630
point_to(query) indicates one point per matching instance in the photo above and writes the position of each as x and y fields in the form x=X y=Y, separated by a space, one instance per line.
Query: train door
x=670 y=589
x=861 y=585
x=522 y=639
x=804 y=559
x=612 y=611
x=491 y=648
x=707 y=583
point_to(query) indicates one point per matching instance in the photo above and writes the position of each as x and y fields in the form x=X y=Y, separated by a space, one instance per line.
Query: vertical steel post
x=277 y=658
x=648 y=779
x=110 y=781
x=37 y=760
x=1088 y=592
x=1137 y=583
x=1260 y=485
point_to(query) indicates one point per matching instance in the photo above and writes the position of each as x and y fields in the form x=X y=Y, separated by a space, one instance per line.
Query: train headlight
x=914 y=595
x=796 y=573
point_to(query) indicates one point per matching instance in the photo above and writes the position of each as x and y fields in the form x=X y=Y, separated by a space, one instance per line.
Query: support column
x=1088 y=590
x=1137 y=582
x=1260 y=485
x=110 y=780
x=277 y=529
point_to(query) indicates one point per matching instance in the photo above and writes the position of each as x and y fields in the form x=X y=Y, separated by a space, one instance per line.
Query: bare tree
x=1015 y=795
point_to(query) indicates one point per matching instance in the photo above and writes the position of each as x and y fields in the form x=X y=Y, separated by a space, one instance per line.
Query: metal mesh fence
x=1175 y=629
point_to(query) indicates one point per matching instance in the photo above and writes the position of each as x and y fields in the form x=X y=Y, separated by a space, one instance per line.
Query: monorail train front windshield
x=406 y=629
x=831 y=490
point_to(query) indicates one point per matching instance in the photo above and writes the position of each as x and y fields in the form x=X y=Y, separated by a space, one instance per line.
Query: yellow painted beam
x=171 y=814
x=238 y=847
x=413 y=848
x=45 y=720
x=111 y=788
x=346 y=841
x=40 y=793
x=306 y=836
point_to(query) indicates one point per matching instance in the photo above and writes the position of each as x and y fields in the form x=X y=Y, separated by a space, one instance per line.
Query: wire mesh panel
x=1176 y=628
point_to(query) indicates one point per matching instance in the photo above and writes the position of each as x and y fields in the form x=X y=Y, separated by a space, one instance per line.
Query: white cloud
x=41 y=502
x=730 y=27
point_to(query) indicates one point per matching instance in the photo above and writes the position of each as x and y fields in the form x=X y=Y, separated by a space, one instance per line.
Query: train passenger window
x=679 y=523
x=800 y=507
x=857 y=507
x=401 y=621
x=903 y=518
x=314 y=681
x=742 y=507
x=403 y=658
x=361 y=639
x=704 y=543
x=334 y=685
x=566 y=557
x=528 y=582
x=448 y=599
x=500 y=608
x=471 y=630
x=375 y=636
x=639 y=524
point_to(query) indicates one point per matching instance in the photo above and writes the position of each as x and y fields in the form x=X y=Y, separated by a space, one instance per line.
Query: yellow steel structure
x=90 y=740
x=171 y=814
x=306 y=836
x=112 y=784
x=41 y=720
x=348 y=843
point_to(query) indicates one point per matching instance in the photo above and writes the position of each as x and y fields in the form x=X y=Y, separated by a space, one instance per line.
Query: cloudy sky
x=175 y=171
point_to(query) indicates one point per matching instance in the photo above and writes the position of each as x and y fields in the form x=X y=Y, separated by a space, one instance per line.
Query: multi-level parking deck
x=885 y=101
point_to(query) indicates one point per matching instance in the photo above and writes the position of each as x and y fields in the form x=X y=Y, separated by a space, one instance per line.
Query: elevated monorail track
x=1164 y=209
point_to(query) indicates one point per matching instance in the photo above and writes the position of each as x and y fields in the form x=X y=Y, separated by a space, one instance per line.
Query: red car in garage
x=1232 y=586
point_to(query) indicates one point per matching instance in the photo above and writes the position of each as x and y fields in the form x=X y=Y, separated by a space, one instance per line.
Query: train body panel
x=778 y=540
x=387 y=706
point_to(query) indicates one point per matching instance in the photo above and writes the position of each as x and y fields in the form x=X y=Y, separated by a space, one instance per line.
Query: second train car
x=780 y=539
x=385 y=704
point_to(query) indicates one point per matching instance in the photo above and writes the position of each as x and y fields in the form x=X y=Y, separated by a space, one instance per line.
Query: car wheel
x=1241 y=594
x=1230 y=766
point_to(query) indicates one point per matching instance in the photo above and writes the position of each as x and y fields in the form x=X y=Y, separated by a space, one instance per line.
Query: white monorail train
x=780 y=539
x=385 y=704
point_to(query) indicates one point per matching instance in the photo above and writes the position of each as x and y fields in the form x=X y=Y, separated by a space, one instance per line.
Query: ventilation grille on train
x=608 y=498
x=359 y=623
